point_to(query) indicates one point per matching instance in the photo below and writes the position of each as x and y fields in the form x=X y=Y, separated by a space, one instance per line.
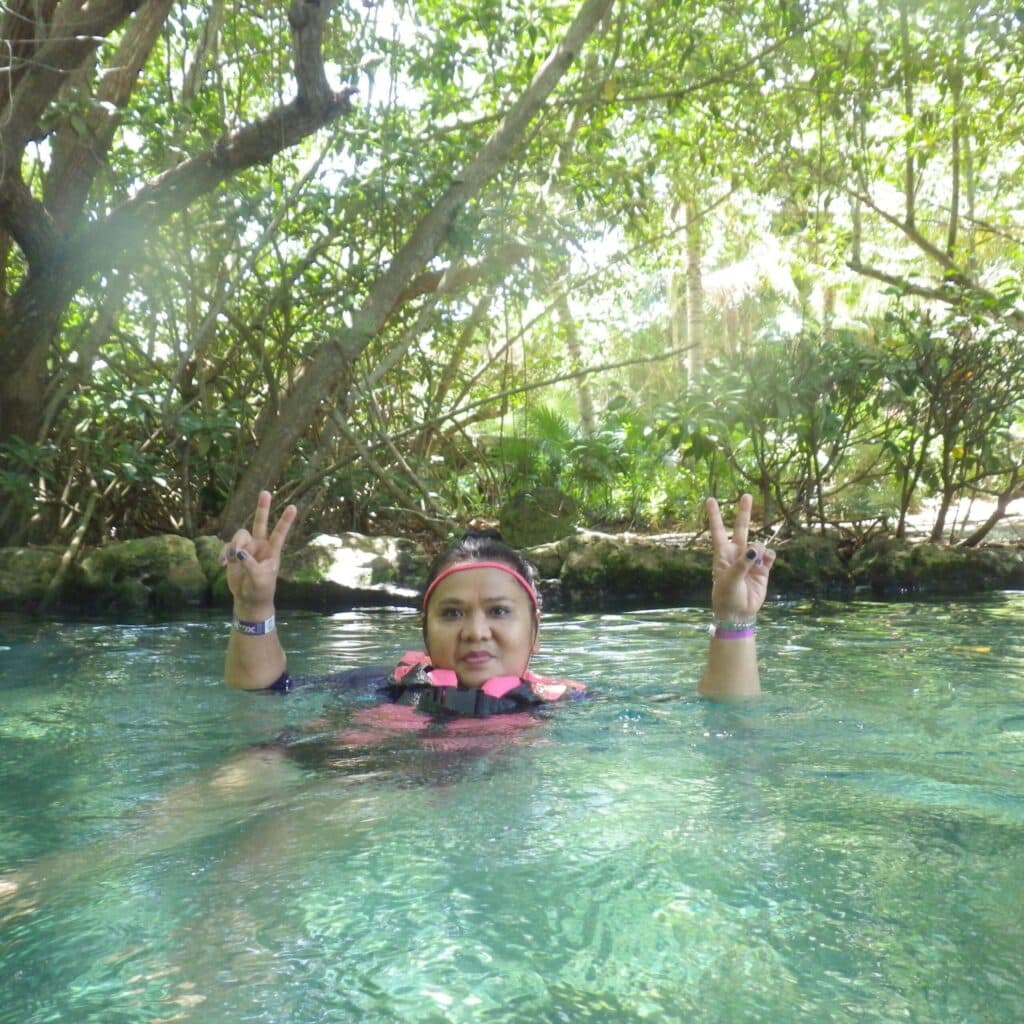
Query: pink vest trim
x=443 y=677
x=545 y=687
x=497 y=686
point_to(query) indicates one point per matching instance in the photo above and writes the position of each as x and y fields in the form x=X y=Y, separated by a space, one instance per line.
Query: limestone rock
x=208 y=553
x=146 y=574
x=810 y=565
x=620 y=571
x=892 y=568
x=547 y=559
x=25 y=574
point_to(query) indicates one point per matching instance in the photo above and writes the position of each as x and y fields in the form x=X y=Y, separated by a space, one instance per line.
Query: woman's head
x=481 y=611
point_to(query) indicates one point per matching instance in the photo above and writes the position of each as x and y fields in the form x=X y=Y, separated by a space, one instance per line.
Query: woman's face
x=480 y=623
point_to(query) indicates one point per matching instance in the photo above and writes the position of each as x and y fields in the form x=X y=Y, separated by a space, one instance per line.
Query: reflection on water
x=846 y=849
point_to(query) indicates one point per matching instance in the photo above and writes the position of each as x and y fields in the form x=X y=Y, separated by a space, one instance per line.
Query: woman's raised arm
x=739 y=576
x=255 y=658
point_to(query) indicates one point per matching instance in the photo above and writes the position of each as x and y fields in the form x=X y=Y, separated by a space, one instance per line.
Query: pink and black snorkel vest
x=416 y=683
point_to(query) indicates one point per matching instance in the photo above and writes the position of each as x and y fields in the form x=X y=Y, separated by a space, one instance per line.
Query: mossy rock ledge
x=893 y=569
x=25 y=576
x=150 y=573
x=618 y=571
x=811 y=566
x=585 y=571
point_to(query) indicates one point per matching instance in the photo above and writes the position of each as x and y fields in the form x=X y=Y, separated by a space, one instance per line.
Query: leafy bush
x=953 y=392
x=787 y=418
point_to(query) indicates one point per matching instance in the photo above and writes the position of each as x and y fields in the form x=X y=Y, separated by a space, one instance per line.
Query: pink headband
x=463 y=566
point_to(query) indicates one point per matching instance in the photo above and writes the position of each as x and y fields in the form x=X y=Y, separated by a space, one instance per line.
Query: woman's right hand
x=252 y=560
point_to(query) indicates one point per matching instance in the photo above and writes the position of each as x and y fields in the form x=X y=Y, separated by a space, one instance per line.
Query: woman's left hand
x=253 y=560
x=740 y=567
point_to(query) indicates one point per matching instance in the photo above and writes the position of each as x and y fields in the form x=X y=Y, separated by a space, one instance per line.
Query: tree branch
x=58 y=271
x=307 y=19
x=950 y=295
x=315 y=105
x=178 y=188
x=78 y=157
x=302 y=406
x=914 y=234
x=522 y=389
x=957 y=282
x=27 y=221
x=71 y=39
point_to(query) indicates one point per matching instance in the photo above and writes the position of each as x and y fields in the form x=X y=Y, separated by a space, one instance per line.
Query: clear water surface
x=848 y=849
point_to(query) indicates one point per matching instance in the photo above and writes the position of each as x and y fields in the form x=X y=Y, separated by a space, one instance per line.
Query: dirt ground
x=967 y=515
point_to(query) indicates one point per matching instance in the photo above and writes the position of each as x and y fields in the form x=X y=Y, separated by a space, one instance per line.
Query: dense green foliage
x=770 y=245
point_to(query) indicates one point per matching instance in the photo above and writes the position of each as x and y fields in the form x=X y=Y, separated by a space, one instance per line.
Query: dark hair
x=483 y=546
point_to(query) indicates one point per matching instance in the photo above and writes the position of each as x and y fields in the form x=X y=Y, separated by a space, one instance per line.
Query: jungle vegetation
x=398 y=259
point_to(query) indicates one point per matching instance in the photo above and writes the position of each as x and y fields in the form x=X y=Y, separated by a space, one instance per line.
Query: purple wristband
x=253 y=628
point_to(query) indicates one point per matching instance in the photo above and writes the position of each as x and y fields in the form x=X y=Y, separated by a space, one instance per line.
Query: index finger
x=715 y=524
x=284 y=524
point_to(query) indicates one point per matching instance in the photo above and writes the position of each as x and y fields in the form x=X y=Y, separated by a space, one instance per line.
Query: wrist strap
x=722 y=629
x=254 y=628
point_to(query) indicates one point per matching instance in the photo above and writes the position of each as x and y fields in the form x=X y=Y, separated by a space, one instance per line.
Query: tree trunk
x=21 y=398
x=588 y=424
x=945 y=504
x=302 y=407
x=731 y=329
x=677 y=338
x=61 y=259
x=694 y=291
x=1012 y=493
x=907 y=88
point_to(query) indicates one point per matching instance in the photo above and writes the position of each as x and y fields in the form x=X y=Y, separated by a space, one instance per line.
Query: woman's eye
x=499 y=610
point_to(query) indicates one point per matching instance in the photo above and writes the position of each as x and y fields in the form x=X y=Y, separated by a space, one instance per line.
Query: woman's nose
x=475 y=624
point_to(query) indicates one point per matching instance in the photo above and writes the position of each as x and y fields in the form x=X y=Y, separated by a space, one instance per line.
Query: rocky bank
x=584 y=571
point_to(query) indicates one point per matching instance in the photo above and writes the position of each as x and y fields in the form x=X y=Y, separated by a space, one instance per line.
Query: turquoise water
x=848 y=849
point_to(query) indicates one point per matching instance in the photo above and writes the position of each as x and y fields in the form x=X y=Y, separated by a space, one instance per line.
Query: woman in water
x=481 y=621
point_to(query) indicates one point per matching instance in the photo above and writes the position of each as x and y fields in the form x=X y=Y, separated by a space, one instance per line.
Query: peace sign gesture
x=740 y=568
x=253 y=560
